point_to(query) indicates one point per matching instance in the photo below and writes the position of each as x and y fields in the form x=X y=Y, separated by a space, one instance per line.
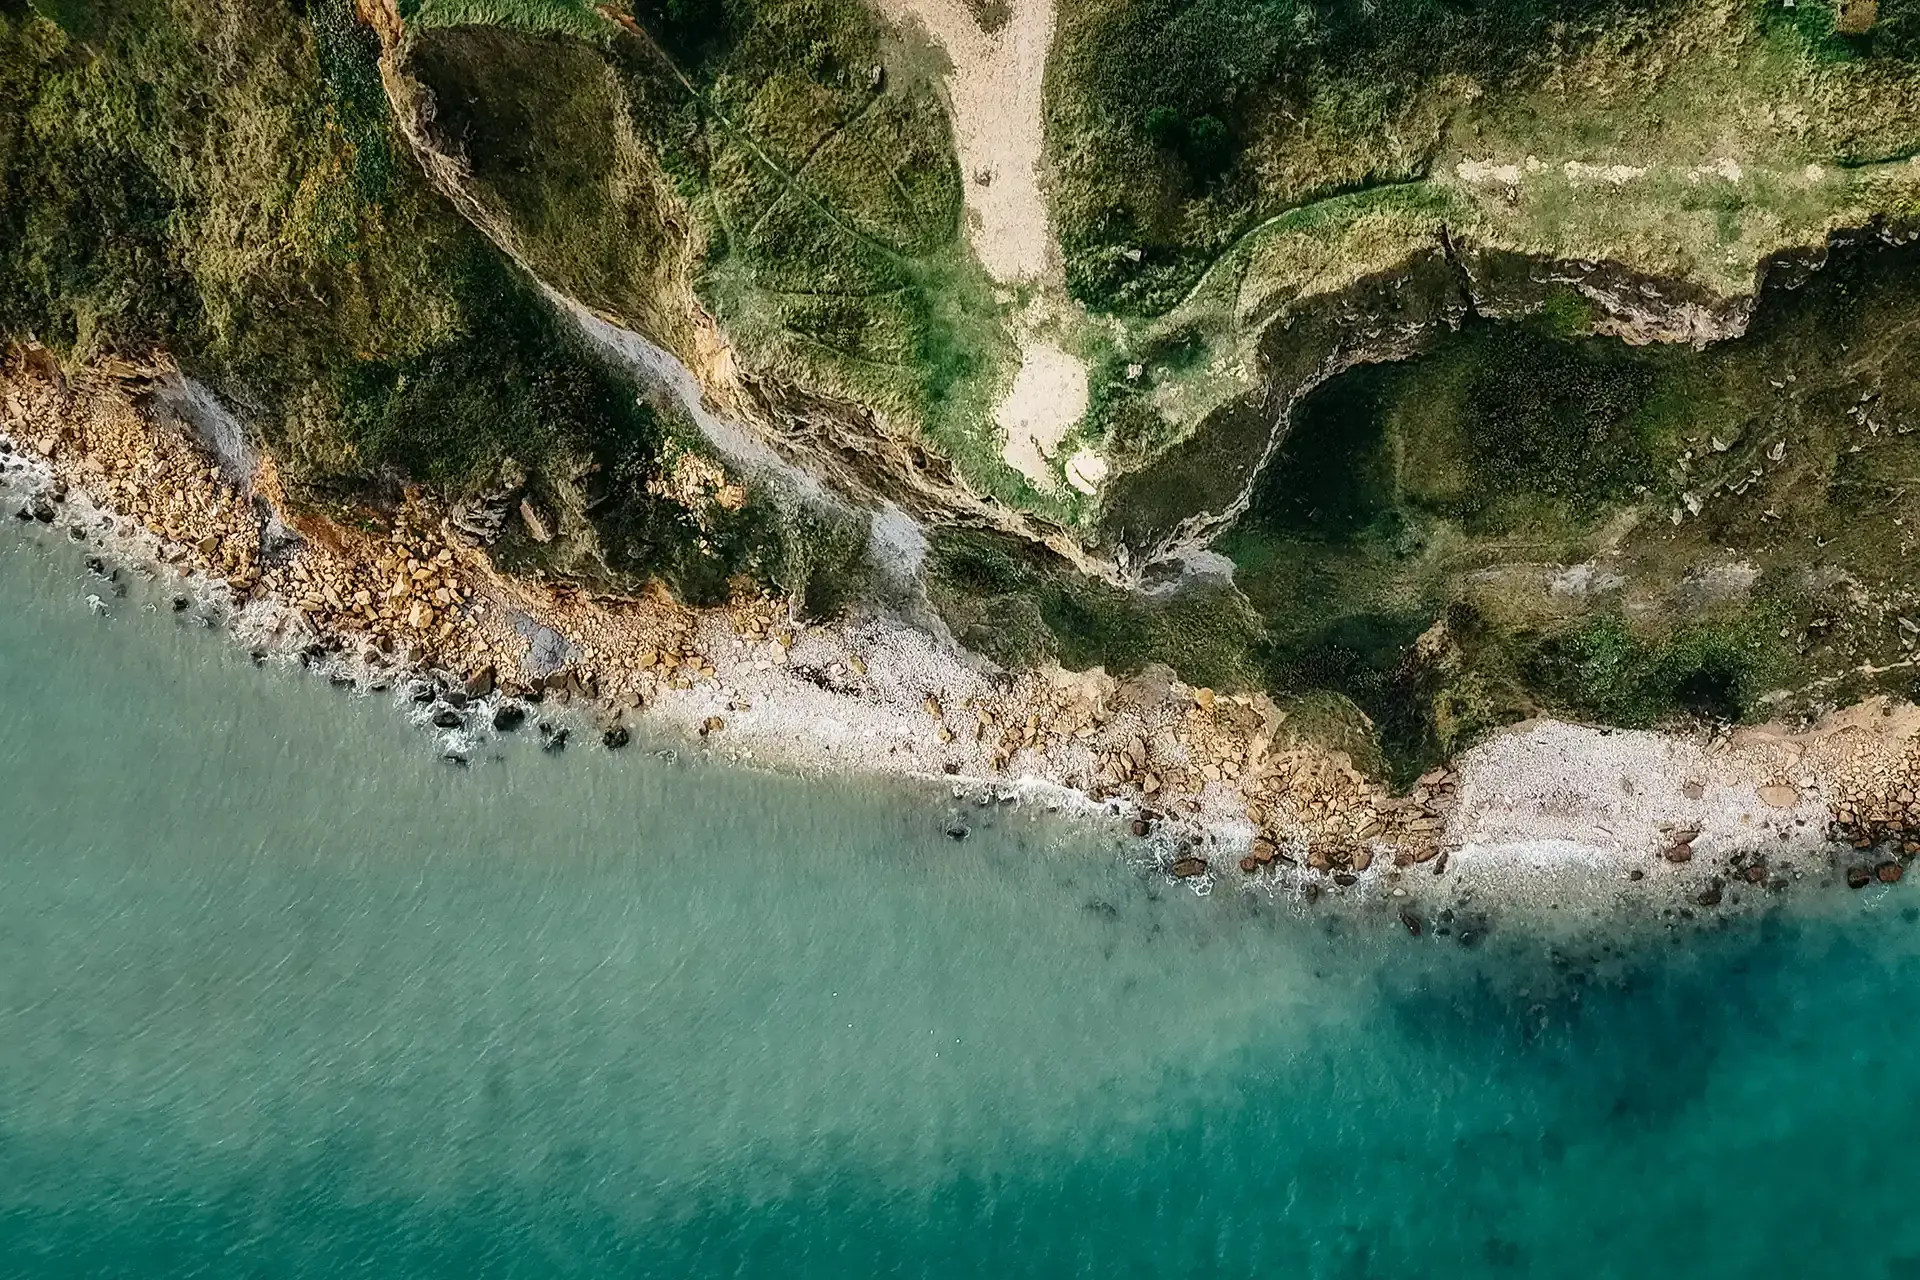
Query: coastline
x=1218 y=790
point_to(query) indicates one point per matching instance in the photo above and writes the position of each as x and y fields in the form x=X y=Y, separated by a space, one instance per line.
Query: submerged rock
x=509 y=716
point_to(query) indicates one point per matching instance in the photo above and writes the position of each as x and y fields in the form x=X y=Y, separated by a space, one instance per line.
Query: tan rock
x=1779 y=797
x=535 y=524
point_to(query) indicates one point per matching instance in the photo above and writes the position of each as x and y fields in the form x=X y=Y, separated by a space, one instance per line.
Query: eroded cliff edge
x=1414 y=440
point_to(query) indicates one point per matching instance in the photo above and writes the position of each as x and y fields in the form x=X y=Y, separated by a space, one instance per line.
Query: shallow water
x=281 y=993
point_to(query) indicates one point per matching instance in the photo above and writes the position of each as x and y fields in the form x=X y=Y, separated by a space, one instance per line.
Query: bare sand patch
x=1086 y=471
x=994 y=91
x=1048 y=396
x=993 y=88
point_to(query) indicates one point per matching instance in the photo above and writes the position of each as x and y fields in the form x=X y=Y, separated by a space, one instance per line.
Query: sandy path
x=994 y=88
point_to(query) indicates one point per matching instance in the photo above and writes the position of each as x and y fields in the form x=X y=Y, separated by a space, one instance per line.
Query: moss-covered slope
x=223 y=182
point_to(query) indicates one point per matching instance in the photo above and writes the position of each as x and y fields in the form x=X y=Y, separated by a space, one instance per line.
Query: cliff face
x=1307 y=356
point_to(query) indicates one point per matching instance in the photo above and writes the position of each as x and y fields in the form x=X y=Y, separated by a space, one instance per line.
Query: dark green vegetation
x=800 y=151
x=575 y=17
x=1156 y=104
x=1021 y=606
x=1162 y=483
x=1894 y=30
x=1521 y=522
x=1176 y=127
x=1405 y=549
x=221 y=181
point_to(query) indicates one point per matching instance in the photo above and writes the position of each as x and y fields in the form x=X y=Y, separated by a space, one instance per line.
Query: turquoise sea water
x=282 y=994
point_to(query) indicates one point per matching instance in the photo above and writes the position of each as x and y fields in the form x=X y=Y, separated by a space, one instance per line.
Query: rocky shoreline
x=1215 y=786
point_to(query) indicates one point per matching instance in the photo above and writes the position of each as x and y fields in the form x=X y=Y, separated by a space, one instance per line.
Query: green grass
x=1022 y=606
x=1164 y=115
x=222 y=181
x=1312 y=101
x=567 y=17
x=824 y=205
x=1603 y=670
x=1447 y=489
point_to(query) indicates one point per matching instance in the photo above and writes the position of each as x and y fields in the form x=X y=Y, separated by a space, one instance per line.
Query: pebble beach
x=1216 y=785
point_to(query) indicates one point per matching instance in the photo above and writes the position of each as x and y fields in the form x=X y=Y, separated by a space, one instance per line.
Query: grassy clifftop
x=222 y=181
x=1521 y=513
x=1684 y=140
x=781 y=166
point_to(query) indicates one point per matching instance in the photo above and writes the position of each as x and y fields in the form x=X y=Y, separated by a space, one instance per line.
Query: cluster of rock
x=1881 y=814
x=157 y=480
x=1310 y=808
x=1177 y=753
x=407 y=593
x=1888 y=820
x=414 y=591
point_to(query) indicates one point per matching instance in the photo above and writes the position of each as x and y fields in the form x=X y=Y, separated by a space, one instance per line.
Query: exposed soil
x=994 y=92
x=1049 y=395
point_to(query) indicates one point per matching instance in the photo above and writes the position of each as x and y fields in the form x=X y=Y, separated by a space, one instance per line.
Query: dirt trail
x=994 y=88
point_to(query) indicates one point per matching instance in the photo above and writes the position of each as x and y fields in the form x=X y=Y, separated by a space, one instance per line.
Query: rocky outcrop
x=1630 y=305
x=480 y=518
x=1176 y=505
